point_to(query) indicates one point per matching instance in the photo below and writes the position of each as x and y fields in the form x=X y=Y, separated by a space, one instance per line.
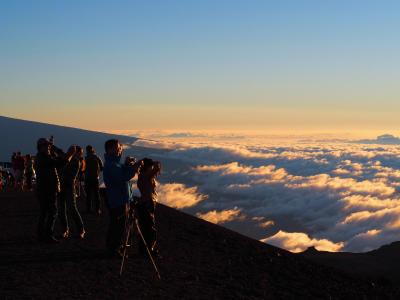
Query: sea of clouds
x=330 y=194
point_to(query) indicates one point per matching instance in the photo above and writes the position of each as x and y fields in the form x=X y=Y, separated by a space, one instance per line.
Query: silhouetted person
x=19 y=167
x=81 y=193
x=48 y=159
x=10 y=181
x=56 y=152
x=68 y=194
x=147 y=203
x=13 y=159
x=94 y=166
x=119 y=194
x=3 y=181
x=14 y=154
x=29 y=172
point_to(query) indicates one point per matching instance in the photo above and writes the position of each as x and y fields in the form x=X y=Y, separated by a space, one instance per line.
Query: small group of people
x=23 y=171
x=58 y=186
x=6 y=180
x=57 y=175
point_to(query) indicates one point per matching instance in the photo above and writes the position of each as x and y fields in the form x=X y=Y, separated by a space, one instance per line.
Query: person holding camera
x=48 y=159
x=146 y=205
x=68 y=194
x=117 y=178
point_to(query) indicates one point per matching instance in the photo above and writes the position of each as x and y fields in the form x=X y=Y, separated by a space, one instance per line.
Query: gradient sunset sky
x=202 y=65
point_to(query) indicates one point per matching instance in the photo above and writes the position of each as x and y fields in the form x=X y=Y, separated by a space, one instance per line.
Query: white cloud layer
x=298 y=242
x=334 y=196
x=179 y=196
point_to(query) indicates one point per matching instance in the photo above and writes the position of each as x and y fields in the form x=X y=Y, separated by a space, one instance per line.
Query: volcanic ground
x=199 y=260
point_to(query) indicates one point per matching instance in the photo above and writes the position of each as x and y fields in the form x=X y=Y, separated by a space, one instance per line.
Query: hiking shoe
x=66 y=234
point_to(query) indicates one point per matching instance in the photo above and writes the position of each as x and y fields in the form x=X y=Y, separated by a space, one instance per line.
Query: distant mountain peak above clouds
x=381 y=264
x=384 y=139
x=21 y=135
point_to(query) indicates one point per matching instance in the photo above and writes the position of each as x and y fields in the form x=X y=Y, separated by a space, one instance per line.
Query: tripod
x=131 y=222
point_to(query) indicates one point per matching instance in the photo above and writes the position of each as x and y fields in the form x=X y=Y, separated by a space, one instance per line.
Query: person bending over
x=118 y=193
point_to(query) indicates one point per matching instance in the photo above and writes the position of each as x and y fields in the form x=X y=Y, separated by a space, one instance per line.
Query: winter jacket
x=116 y=178
x=94 y=166
x=46 y=172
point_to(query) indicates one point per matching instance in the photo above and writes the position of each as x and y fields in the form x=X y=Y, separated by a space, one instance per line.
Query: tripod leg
x=147 y=248
x=128 y=228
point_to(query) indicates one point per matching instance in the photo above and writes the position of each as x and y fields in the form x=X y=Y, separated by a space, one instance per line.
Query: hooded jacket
x=116 y=179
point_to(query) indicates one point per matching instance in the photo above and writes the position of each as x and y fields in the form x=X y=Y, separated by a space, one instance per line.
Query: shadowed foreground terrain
x=381 y=265
x=199 y=261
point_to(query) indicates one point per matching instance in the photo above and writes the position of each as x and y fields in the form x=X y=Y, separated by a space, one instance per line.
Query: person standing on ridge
x=68 y=194
x=94 y=166
x=119 y=193
x=19 y=163
x=28 y=173
x=146 y=205
x=81 y=176
x=13 y=163
x=48 y=159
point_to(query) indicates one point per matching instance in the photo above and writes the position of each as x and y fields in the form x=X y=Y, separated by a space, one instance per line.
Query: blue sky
x=298 y=64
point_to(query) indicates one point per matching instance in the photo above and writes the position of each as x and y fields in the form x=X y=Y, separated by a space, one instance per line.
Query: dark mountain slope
x=21 y=135
x=200 y=261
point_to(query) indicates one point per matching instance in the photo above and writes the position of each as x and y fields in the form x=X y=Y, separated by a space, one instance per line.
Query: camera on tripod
x=151 y=164
x=130 y=160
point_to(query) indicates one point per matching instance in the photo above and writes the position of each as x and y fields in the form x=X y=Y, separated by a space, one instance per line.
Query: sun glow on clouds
x=179 y=196
x=263 y=222
x=219 y=217
x=332 y=195
x=298 y=242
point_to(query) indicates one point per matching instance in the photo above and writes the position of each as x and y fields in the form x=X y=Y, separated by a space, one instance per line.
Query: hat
x=43 y=141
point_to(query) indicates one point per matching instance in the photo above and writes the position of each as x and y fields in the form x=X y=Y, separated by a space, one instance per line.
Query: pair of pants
x=116 y=228
x=92 y=194
x=48 y=213
x=68 y=207
x=147 y=224
x=28 y=180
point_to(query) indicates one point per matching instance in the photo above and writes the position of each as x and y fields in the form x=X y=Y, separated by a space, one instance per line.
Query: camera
x=157 y=165
x=130 y=160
